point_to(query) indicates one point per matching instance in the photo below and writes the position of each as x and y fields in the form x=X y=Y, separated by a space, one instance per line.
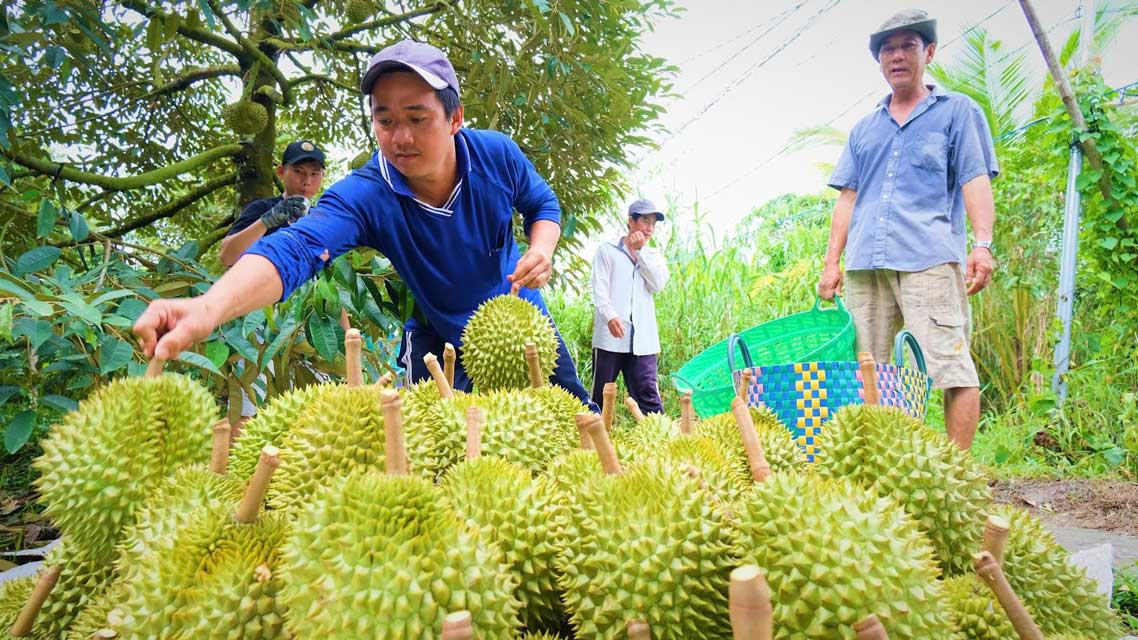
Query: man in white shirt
x=626 y=341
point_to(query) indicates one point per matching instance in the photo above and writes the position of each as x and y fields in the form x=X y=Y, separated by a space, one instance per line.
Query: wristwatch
x=983 y=244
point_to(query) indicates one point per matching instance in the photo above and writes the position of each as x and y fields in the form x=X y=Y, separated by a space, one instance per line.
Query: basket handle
x=681 y=383
x=905 y=338
x=838 y=305
x=736 y=340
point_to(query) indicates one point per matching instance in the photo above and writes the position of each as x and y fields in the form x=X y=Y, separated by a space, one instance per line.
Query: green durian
x=832 y=554
x=268 y=427
x=359 y=160
x=104 y=612
x=245 y=117
x=375 y=556
x=84 y=576
x=358 y=11
x=563 y=405
x=974 y=611
x=493 y=343
x=896 y=456
x=778 y=445
x=13 y=595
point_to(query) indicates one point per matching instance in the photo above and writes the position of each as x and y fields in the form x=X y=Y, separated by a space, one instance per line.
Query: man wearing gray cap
x=438 y=201
x=912 y=171
x=626 y=274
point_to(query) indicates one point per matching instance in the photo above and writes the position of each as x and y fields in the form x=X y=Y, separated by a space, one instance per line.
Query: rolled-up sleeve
x=974 y=153
x=533 y=197
x=845 y=174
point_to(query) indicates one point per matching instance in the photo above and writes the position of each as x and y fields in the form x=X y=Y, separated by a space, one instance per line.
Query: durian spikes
x=219 y=454
x=394 y=447
x=633 y=408
x=870 y=628
x=996 y=531
x=687 y=415
x=533 y=360
x=449 y=356
x=583 y=420
x=600 y=436
x=760 y=468
x=992 y=574
x=385 y=380
x=869 y=377
x=250 y=507
x=353 y=362
x=744 y=383
x=638 y=630
x=458 y=626
x=445 y=389
x=23 y=625
x=154 y=367
x=749 y=604
x=473 y=433
x=608 y=405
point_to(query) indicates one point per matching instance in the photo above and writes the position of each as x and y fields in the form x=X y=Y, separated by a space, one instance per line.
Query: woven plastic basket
x=805 y=395
x=816 y=334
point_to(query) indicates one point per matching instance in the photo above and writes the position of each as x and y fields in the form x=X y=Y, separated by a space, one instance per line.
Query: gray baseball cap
x=644 y=207
x=429 y=62
x=905 y=20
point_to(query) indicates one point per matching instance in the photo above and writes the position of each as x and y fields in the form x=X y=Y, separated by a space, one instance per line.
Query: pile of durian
x=365 y=511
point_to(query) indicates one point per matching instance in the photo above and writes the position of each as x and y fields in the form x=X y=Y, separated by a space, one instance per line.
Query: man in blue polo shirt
x=438 y=201
x=912 y=171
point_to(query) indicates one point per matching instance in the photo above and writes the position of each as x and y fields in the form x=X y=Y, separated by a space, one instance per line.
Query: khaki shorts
x=932 y=304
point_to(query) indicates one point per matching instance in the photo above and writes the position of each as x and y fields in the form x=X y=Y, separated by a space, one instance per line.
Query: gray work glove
x=287 y=211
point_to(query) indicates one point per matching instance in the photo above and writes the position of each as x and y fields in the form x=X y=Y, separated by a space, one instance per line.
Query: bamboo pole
x=458 y=626
x=638 y=630
x=219 y=454
x=993 y=575
x=633 y=408
x=473 y=432
x=154 y=367
x=760 y=468
x=745 y=377
x=870 y=628
x=533 y=361
x=353 y=358
x=687 y=414
x=582 y=420
x=394 y=448
x=385 y=380
x=449 y=356
x=22 y=627
x=869 y=377
x=445 y=390
x=600 y=437
x=996 y=531
x=608 y=405
x=250 y=507
x=749 y=605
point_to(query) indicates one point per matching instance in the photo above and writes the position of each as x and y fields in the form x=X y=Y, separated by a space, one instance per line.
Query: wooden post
x=633 y=408
x=449 y=356
x=608 y=405
x=638 y=630
x=154 y=367
x=749 y=605
x=687 y=414
x=605 y=450
x=870 y=628
x=533 y=361
x=583 y=420
x=250 y=507
x=385 y=380
x=996 y=531
x=760 y=468
x=353 y=360
x=869 y=377
x=445 y=390
x=745 y=377
x=394 y=448
x=473 y=432
x=993 y=575
x=27 y=617
x=219 y=454
x=458 y=626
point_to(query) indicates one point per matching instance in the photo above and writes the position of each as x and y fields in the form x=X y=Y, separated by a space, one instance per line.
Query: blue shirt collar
x=936 y=94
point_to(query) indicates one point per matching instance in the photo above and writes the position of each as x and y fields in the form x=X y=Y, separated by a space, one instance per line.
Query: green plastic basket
x=810 y=336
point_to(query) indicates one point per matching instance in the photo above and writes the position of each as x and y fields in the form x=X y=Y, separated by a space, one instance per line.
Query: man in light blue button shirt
x=912 y=171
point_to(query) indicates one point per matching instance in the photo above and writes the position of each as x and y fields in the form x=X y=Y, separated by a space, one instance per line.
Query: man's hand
x=169 y=327
x=830 y=284
x=286 y=211
x=636 y=241
x=616 y=328
x=978 y=271
x=533 y=271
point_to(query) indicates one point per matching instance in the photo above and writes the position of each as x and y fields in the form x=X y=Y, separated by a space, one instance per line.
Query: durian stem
x=760 y=468
x=749 y=604
x=533 y=360
x=687 y=417
x=445 y=390
x=353 y=360
x=600 y=437
x=394 y=448
x=638 y=630
x=449 y=356
x=993 y=575
x=105 y=634
x=458 y=626
x=583 y=420
x=608 y=404
x=386 y=379
x=996 y=531
x=27 y=618
x=473 y=432
x=744 y=383
x=633 y=408
x=870 y=628
x=154 y=367
x=869 y=377
x=250 y=507
x=219 y=454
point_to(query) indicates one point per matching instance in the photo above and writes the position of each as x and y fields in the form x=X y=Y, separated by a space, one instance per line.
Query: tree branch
x=254 y=52
x=316 y=77
x=336 y=40
x=64 y=171
x=200 y=35
x=174 y=206
x=194 y=75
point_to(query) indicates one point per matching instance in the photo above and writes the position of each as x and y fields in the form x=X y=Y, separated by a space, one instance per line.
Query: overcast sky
x=735 y=111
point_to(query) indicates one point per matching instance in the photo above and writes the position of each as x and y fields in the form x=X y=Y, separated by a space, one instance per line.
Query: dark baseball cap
x=300 y=151
x=643 y=208
x=429 y=62
x=907 y=20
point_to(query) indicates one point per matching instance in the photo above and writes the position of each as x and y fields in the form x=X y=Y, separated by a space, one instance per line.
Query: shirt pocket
x=931 y=152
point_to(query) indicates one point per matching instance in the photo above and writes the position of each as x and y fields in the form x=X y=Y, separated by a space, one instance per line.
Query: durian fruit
x=778 y=445
x=385 y=556
x=833 y=554
x=974 y=611
x=561 y=404
x=359 y=10
x=268 y=427
x=896 y=456
x=245 y=117
x=359 y=160
x=493 y=351
x=104 y=612
x=13 y=595
x=418 y=403
x=84 y=576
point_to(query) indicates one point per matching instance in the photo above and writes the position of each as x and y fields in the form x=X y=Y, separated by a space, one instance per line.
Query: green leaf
x=198 y=360
x=568 y=24
x=78 y=226
x=114 y=353
x=240 y=344
x=131 y=308
x=37 y=259
x=1108 y=243
x=288 y=332
x=7 y=392
x=75 y=303
x=62 y=403
x=112 y=295
x=45 y=221
x=217 y=352
x=54 y=56
x=322 y=336
x=19 y=430
x=4 y=177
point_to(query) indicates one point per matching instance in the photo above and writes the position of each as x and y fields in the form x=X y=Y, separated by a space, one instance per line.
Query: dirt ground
x=1107 y=506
